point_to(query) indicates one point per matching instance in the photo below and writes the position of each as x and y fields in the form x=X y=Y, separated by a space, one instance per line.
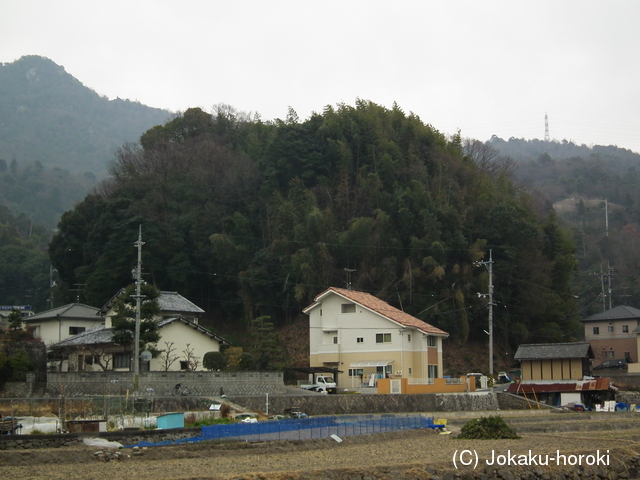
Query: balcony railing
x=455 y=381
x=420 y=381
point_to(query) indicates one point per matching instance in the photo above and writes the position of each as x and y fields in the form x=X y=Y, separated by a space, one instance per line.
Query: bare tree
x=487 y=159
x=193 y=361
x=167 y=356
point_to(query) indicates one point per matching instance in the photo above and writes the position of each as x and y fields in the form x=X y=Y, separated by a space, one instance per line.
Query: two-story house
x=367 y=338
x=612 y=334
x=182 y=345
x=57 y=324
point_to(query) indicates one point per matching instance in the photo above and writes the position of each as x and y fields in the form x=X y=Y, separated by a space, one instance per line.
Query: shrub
x=487 y=428
x=225 y=410
x=205 y=422
x=214 y=361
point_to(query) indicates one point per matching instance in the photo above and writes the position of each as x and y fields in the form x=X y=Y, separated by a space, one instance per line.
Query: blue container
x=171 y=420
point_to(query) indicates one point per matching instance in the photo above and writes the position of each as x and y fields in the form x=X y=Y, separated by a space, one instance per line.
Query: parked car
x=617 y=364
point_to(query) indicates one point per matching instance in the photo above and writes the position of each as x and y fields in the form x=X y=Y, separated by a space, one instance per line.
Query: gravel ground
x=383 y=455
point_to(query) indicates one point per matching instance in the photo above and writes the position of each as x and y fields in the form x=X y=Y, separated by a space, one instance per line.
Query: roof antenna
x=349 y=272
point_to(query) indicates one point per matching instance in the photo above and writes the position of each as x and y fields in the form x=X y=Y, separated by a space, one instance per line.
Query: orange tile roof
x=382 y=308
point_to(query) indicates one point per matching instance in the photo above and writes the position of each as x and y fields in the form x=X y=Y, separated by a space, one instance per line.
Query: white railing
x=420 y=381
x=455 y=381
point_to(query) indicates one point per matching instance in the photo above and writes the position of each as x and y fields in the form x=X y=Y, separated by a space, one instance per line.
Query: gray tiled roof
x=621 y=312
x=94 y=336
x=169 y=302
x=541 y=351
x=174 y=302
x=101 y=335
x=72 y=310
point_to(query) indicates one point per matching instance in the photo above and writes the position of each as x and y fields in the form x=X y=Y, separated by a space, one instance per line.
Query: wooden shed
x=554 y=361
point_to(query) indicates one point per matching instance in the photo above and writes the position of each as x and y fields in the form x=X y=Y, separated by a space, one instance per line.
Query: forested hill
x=253 y=219
x=521 y=150
x=46 y=115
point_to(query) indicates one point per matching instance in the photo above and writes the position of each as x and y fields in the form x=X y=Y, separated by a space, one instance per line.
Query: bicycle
x=181 y=390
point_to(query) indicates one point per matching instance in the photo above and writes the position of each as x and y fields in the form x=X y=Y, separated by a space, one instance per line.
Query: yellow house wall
x=327 y=321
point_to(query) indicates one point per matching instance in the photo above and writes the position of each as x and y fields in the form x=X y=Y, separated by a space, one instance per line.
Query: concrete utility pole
x=349 y=272
x=489 y=266
x=138 y=278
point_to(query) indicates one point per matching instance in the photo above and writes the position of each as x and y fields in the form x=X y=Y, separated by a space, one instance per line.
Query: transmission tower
x=546 y=127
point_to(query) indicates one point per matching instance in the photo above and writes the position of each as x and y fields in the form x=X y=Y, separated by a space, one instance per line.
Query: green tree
x=124 y=318
x=15 y=320
x=266 y=350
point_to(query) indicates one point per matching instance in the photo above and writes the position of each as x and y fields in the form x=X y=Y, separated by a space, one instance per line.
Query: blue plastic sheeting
x=308 y=428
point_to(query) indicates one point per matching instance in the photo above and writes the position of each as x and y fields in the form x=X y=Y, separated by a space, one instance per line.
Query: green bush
x=214 y=361
x=487 y=428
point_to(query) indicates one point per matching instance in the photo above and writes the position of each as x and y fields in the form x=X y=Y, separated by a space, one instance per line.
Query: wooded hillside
x=249 y=218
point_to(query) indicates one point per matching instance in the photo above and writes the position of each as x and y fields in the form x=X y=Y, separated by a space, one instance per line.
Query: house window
x=83 y=361
x=356 y=372
x=410 y=371
x=383 y=338
x=608 y=354
x=625 y=328
x=76 y=330
x=320 y=312
x=596 y=330
x=610 y=329
x=348 y=308
x=409 y=337
x=335 y=340
x=121 y=360
x=432 y=371
x=360 y=340
x=431 y=341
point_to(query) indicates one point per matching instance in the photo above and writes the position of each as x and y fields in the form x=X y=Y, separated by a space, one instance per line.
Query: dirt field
x=399 y=455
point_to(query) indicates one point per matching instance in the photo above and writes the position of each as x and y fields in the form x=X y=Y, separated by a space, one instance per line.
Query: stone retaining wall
x=343 y=404
x=509 y=401
x=78 y=384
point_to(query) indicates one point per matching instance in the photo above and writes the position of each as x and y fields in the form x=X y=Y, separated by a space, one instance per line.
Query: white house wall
x=181 y=335
x=54 y=331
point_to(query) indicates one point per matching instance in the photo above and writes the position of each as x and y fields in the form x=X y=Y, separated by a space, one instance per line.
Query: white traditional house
x=57 y=324
x=367 y=338
x=183 y=342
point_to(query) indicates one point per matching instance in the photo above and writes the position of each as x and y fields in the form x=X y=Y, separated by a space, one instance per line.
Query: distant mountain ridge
x=47 y=115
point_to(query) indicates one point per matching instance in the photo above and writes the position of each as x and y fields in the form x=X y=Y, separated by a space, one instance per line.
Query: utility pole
x=609 y=281
x=52 y=284
x=602 y=275
x=349 y=272
x=606 y=217
x=489 y=266
x=138 y=278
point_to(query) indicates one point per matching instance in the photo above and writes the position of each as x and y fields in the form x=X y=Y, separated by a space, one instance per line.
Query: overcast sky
x=484 y=67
